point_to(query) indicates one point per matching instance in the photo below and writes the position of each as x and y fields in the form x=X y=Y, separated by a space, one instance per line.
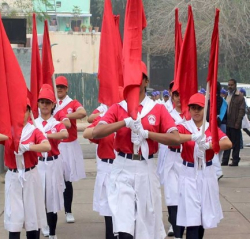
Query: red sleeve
x=167 y=122
x=221 y=134
x=77 y=105
x=39 y=136
x=61 y=116
x=111 y=115
x=181 y=129
x=96 y=141
x=60 y=127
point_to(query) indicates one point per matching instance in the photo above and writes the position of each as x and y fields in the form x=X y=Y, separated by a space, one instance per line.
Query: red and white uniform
x=24 y=203
x=71 y=152
x=51 y=171
x=105 y=150
x=199 y=202
x=172 y=164
x=134 y=189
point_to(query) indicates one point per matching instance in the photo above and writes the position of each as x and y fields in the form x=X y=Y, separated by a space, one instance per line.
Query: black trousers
x=234 y=136
x=29 y=235
x=52 y=221
x=123 y=235
x=195 y=232
x=178 y=230
x=247 y=131
x=68 y=196
x=109 y=228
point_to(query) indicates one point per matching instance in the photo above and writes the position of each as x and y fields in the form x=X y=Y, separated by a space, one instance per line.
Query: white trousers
x=24 y=206
x=134 y=196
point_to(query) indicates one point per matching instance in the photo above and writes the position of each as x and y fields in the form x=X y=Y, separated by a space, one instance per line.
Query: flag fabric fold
x=212 y=80
x=135 y=22
x=13 y=92
x=47 y=60
x=186 y=76
x=108 y=74
x=36 y=77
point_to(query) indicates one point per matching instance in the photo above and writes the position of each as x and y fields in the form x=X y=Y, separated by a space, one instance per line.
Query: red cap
x=197 y=99
x=61 y=80
x=47 y=86
x=47 y=93
x=144 y=68
x=28 y=102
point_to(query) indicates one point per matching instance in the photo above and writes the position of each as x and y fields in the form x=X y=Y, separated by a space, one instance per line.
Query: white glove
x=23 y=148
x=137 y=125
x=143 y=133
x=204 y=146
x=197 y=136
x=129 y=122
x=135 y=138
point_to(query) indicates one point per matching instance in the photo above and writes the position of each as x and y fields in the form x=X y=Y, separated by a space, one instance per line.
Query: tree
x=234 y=31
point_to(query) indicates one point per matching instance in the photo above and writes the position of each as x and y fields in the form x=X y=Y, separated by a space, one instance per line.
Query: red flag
x=178 y=41
x=119 y=49
x=108 y=64
x=186 y=77
x=135 y=22
x=47 y=60
x=13 y=92
x=212 y=79
x=36 y=77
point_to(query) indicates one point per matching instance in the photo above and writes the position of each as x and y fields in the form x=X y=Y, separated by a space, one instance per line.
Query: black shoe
x=224 y=164
x=221 y=176
x=233 y=164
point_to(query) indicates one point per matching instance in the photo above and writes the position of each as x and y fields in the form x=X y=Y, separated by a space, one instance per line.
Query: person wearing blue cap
x=158 y=97
x=165 y=96
x=202 y=91
x=153 y=95
x=223 y=93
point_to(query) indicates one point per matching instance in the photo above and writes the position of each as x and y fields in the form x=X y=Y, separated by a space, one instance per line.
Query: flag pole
x=205 y=108
x=54 y=86
x=32 y=118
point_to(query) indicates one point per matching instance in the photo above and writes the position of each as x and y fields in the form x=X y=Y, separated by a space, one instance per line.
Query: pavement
x=234 y=196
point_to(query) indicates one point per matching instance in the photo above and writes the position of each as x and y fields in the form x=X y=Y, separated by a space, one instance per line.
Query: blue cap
x=157 y=93
x=165 y=93
x=223 y=91
x=202 y=91
x=153 y=93
x=242 y=90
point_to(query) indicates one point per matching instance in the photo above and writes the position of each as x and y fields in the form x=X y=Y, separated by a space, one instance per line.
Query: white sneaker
x=53 y=237
x=170 y=231
x=70 y=218
x=45 y=231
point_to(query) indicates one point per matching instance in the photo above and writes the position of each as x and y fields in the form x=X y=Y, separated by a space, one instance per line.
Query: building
x=64 y=15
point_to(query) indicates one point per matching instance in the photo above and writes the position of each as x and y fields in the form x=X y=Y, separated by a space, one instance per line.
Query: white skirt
x=172 y=168
x=24 y=206
x=51 y=173
x=163 y=151
x=100 y=200
x=199 y=202
x=134 y=196
x=73 y=162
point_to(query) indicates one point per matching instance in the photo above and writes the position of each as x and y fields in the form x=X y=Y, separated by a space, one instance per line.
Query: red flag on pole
x=186 y=77
x=135 y=22
x=212 y=80
x=47 y=60
x=36 y=77
x=108 y=63
x=13 y=92
x=178 y=41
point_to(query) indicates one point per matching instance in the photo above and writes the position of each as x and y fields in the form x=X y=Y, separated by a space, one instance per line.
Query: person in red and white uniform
x=134 y=190
x=100 y=110
x=70 y=149
x=50 y=166
x=198 y=205
x=106 y=156
x=24 y=203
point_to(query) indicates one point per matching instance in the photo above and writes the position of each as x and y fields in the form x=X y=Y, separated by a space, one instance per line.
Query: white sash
x=148 y=106
x=169 y=105
x=191 y=127
x=176 y=116
x=51 y=123
x=65 y=102
x=20 y=163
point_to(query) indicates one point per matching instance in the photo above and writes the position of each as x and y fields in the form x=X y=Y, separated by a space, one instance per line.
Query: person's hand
x=129 y=122
x=200 y=154
x=23 y=148
x=204 y=146
x=135 y=138
x=143 y=133
x=197 y=136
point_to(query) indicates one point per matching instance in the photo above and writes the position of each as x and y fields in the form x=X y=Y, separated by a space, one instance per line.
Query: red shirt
x=30 y=158
x=105 y=149
x=54 y=142
x=188 y=147
x=71 y=107
x=157 y=120
x=60 y=116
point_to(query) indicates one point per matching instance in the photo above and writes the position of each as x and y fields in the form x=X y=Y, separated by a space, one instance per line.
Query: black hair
x=28 y=108
x=171 y=85
x=144 y=76
x=218 y=88
x=234 y=81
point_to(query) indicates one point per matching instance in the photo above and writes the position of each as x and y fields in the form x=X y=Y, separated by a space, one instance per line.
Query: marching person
x=101 y=109
x=70 y=150
x=169 y=104
x=134 y=190
x=165 y=95
x=24 y=203
x=199 y=204
x=106 y=156
x=50 y=166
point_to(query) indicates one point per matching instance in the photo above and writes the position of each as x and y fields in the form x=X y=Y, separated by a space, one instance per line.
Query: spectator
x=235 y=114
